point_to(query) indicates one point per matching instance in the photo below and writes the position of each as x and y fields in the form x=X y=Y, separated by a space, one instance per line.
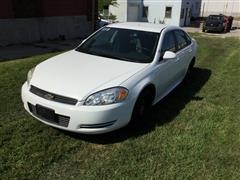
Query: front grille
x=54 y=118
x=52 y=96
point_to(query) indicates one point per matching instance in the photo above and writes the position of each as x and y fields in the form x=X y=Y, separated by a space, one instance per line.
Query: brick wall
x=65 y=7
x=46 y=8
x=6 y=10
x=24 y=21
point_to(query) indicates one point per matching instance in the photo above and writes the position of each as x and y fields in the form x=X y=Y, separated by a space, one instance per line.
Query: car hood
x=77 y=75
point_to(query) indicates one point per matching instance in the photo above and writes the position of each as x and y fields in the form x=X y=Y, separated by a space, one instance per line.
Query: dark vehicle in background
x=217 y=23
x=214 y=23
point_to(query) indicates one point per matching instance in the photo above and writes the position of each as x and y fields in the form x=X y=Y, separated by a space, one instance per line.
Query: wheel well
x=192 y=61
x=152 y=91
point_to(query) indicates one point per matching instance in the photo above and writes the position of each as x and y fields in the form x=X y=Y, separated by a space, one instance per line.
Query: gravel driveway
x=232 y=33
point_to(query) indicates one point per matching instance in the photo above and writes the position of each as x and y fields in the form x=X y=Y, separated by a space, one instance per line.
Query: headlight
x=108 y=96
x=29 y=75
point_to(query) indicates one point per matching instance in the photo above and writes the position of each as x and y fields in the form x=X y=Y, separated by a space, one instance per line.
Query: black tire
x=142 y=108
x=189 y=71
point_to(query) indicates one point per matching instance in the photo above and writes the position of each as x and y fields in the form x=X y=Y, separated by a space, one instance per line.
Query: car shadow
x=163 y=112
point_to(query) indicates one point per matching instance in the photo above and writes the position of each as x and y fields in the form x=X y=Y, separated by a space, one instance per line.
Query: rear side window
x=189 y=40
x=183 y=40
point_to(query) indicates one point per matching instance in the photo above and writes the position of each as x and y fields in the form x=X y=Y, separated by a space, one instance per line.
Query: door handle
x=190 y=50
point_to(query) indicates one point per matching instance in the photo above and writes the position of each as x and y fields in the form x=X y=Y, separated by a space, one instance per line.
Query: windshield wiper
x=89 y=52
x=108 y=56
x=115 y=57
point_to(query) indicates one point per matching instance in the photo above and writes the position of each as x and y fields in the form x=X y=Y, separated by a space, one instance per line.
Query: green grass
x=193 y=133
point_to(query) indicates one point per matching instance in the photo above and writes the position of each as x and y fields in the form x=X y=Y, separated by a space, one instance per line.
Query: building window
x=168 y=12
x=182 y=13
x=145 y=12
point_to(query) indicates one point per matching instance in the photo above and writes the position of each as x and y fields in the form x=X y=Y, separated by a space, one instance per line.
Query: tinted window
x=122 y=44
x=215 y=18
x=182 y=39
x=188 y=39
x=168 y=43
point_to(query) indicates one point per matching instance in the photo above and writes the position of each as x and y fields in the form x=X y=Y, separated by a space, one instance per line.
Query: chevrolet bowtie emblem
x=49 y=96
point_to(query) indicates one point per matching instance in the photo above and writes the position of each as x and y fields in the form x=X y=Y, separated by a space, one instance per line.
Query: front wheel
x=141 y=108
x=189 y=70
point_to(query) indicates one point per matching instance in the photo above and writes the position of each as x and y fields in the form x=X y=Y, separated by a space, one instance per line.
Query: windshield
x=215 y=18
x=122 y=44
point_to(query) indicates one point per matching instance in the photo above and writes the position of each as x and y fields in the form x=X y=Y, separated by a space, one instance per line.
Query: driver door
x=167 y=69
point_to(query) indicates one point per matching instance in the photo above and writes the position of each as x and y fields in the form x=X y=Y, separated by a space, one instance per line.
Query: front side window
x=169 y=43
x=122 y=44
x=168 y=12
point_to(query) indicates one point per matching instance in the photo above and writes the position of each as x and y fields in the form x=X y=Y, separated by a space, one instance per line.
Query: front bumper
x=213 y=28
x=80 y=119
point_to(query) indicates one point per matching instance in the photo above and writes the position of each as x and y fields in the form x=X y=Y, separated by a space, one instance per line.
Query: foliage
x=103 y=3
x=112 y=17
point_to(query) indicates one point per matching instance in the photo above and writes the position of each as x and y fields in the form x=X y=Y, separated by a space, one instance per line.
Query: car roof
x=141 y=26
x=216 y=15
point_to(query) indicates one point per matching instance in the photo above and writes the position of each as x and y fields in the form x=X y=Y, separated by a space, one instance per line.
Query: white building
x=226 y=7
x=174 y=12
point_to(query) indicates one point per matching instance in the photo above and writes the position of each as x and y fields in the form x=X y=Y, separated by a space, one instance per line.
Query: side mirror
x=169 y=55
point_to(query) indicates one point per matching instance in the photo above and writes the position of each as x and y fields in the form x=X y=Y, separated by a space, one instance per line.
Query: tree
x=105 y=3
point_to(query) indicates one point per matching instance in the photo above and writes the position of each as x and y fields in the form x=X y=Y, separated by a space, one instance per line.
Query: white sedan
x=110 y=79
